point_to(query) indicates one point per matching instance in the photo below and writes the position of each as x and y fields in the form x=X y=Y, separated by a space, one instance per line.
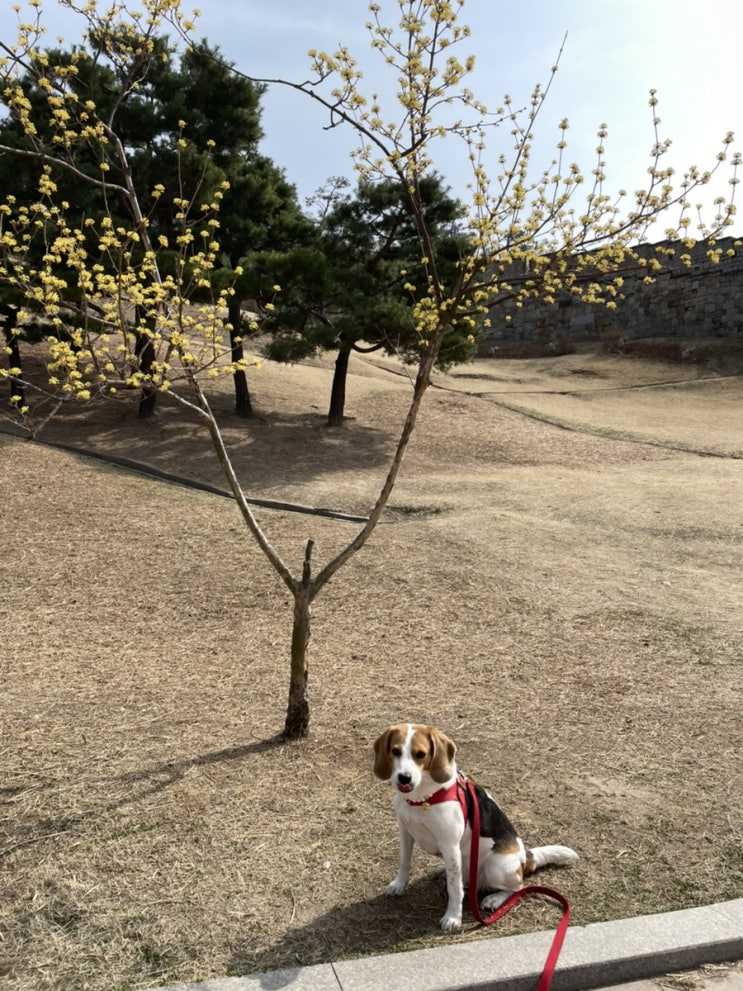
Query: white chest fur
x=433 y=827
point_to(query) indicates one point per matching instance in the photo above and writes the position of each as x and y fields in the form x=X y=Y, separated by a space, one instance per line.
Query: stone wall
x=700 y=300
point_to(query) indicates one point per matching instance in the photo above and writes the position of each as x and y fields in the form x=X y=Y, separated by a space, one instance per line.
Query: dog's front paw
x=494 y=901
x=396 y=887
x=451 y=922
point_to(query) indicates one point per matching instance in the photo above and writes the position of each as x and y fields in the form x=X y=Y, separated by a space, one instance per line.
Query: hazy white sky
x=616 y=51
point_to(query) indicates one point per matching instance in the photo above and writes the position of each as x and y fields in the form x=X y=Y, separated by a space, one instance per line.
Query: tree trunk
x=9 y=316
x=145 y=352
x=243 y=406
x=338 y=389
x=297 y=723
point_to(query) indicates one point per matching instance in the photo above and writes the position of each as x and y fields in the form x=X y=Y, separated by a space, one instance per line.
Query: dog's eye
x=397 y=751
x=419 y=754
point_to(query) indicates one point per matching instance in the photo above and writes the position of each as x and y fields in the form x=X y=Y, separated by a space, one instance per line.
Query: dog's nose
x=403 y=779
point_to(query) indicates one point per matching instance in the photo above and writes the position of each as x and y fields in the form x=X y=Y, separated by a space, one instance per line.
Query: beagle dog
x=431 y=803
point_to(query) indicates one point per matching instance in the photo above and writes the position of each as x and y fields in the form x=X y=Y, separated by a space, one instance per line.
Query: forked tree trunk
x=304 y=590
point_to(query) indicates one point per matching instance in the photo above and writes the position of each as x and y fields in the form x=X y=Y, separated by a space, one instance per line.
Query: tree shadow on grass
x=369 y=927
x=280 y=450
x=134 y=787
x=162 y=776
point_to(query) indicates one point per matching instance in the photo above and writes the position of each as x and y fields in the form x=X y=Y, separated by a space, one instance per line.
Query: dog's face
x=406 y=753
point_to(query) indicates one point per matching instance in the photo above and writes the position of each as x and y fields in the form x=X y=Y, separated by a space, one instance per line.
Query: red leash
x=531 y=889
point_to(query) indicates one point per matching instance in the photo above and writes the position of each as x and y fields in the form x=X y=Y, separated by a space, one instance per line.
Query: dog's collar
x=452 y=793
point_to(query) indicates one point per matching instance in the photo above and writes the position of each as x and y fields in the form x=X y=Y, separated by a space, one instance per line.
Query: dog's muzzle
x=404 y=783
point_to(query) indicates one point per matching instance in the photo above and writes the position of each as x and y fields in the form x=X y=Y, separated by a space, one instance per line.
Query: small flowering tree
x=119 y=318
x=532 y=233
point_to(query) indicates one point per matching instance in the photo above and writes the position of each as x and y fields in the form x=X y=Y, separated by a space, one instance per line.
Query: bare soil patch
x=557 y=585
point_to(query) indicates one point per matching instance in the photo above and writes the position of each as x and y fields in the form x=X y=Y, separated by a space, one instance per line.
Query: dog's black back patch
x=493 y=820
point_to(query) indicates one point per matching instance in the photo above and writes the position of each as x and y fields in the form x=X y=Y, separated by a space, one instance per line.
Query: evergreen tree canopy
x=190 y=129
x=353 y=288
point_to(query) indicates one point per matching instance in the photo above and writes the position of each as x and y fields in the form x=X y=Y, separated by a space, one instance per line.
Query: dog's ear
x=382 y=758
x=442 y=755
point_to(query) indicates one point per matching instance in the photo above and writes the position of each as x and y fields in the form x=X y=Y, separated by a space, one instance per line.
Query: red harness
x=454 y=793
x=457 y=792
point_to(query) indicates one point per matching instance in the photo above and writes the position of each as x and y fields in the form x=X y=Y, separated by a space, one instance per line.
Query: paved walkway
x=718 y=977
x=602 y=955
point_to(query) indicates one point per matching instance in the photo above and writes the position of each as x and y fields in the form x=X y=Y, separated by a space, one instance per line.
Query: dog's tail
x=541 y=856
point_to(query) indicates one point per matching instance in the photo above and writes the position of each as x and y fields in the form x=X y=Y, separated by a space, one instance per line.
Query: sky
x=615 y=52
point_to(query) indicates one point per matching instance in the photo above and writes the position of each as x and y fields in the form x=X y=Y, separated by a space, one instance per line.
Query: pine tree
x=353 y=289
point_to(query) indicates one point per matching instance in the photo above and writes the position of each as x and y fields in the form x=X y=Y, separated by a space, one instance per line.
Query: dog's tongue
x=405 y=788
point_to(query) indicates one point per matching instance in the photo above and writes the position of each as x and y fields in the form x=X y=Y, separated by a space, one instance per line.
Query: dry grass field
x=557 y=585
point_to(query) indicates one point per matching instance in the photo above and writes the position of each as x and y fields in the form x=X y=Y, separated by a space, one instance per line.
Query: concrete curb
x=594 y=956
